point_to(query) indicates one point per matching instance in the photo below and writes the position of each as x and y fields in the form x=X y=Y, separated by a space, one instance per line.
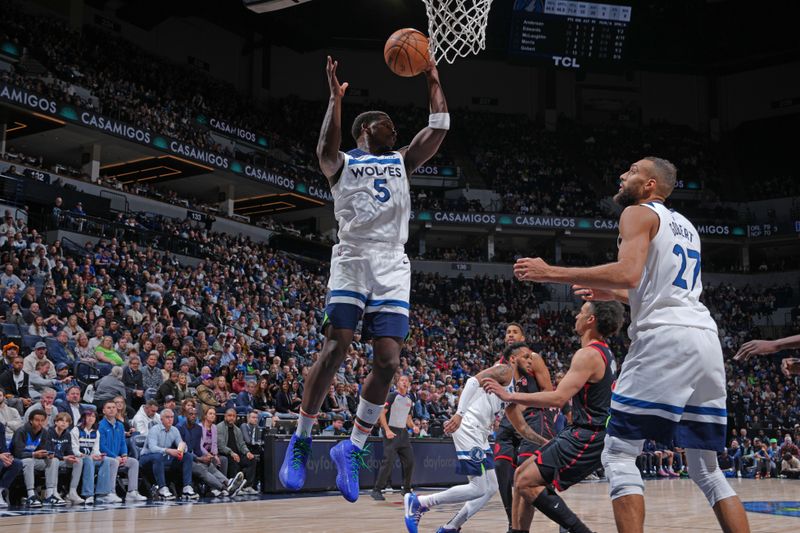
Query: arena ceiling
x=679 y=35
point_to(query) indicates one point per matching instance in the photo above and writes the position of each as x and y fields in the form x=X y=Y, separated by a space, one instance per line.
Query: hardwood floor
x=672 y=506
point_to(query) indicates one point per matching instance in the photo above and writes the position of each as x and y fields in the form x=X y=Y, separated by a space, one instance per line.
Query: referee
x=395 y=418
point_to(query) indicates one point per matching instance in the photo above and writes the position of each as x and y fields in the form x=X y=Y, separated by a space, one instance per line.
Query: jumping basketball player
x=370 y=272
x=511 y=449
x=470 y=427
x=672 y=384
x=575 y=452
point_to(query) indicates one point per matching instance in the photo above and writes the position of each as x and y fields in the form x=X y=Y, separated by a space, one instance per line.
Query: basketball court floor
x=672 y=506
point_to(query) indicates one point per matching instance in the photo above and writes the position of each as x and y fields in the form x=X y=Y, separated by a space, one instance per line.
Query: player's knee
x=619 y=462
x=703 y=469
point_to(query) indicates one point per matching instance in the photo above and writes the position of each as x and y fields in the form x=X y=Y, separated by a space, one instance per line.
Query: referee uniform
x=398 y=407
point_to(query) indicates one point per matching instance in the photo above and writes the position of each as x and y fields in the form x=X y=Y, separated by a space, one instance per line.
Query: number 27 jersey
x=371 y=200
x=669 y=290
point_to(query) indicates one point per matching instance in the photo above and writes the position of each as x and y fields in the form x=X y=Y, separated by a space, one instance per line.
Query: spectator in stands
x=31 y=444
x=82 y=349
x=169 y=388
x=45 y=405
x=114 y=446
x=14 y=316
x=336 y=428
x=108 y=387
x=206 y=462
x=205 y=394
x=8 y=279
x=72 y=405
x=151 y=374
x=790 y=466
x=10 y=467
x=86 y=446
x=246 y=398
x=133 y=379
x=16 y=382
x=165 y=450
x=39 y=353
x=421 y=406
x=124 y=415
x=38 y=327
x=61 y=448
x=146 y=418
x=105 y=352
x=61 y=352
x=39 y=380
x=230 y=443
x=9 y=417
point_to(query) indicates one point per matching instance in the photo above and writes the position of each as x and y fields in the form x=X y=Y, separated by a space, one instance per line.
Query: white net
x=456 y=28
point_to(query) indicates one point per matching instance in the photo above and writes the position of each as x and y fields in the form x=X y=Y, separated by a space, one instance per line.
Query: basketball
x=406 y=52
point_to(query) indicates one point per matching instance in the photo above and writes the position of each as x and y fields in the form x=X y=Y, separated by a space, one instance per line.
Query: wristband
x=439 y=121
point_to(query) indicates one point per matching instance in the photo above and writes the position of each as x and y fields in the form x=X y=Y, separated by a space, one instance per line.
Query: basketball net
x=456 y=28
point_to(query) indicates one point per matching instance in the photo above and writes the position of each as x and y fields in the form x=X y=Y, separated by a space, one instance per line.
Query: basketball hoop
x=456 y=28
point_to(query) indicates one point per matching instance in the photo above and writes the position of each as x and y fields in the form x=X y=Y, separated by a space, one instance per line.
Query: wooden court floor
x=672 y=506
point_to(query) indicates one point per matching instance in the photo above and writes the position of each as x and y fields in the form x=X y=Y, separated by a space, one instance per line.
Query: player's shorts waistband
x=379 y=245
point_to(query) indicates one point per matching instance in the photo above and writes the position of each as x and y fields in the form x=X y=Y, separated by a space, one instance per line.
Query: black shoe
x=377 y=496
x=33 y=502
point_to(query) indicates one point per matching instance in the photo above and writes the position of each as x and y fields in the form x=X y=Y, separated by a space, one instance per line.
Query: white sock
x=304 y=424
x=49 y=492
x=31 y=493
x=367 y=413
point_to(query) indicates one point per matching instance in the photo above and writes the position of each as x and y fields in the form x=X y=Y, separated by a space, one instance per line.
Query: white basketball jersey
x=483 y=410
x=669 y=291
x=371 y=200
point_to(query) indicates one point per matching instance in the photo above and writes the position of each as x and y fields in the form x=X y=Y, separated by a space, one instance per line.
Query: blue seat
x=11 y=331
x=29 y=341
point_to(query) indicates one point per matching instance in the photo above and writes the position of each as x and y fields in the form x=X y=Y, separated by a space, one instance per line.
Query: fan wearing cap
x=39 y=353
x=170 y=388
x=205 y=394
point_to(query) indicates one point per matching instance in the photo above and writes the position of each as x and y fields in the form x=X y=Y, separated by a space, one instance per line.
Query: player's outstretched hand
x=493 y=387
x=589 y=294
x=453 y=424
x=755 y=347
x=531 y=269
x=337 y=89
x=790 y=366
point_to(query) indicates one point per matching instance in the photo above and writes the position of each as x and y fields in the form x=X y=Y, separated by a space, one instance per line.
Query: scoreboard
x=570 y=34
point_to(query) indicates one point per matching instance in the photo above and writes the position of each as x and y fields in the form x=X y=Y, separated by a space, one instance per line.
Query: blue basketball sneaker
x=293 y=470
x=414 y=511
x=348 y=459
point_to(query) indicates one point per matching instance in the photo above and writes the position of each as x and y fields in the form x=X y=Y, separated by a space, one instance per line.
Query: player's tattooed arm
x=517 y=419
x=330 y=157
x=500 y=373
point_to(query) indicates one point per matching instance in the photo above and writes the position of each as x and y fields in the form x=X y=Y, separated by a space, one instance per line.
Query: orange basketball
x=406 y=52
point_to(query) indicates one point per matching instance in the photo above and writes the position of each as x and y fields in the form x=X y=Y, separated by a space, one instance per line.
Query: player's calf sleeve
x=505 y=481
x=619 y=461
x=556 y=509
x=705 y=472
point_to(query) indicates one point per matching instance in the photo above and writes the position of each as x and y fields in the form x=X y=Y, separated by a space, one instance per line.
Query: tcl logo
x=564 y=61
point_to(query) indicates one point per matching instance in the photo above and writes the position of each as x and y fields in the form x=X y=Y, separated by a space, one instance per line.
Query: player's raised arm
x=427 y=142
x=760 y=347
x=637 y=226
x=330 y=136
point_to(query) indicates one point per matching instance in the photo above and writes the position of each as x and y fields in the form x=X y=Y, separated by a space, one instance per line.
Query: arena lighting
x=265 y=6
